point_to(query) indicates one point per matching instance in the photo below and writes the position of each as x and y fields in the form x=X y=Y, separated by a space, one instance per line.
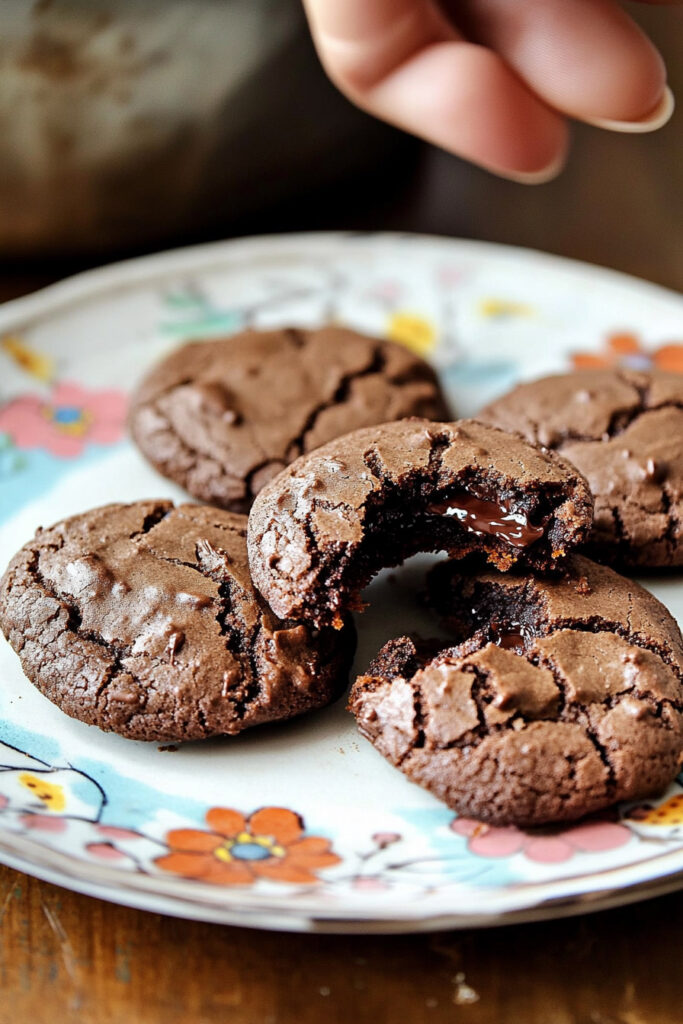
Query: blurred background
x=129 y=126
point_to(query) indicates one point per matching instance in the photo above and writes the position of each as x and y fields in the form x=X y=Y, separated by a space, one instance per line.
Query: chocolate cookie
x=328 y=523
x=562 y=697
x=142 y=619
x=623 y=429
x=223 y=417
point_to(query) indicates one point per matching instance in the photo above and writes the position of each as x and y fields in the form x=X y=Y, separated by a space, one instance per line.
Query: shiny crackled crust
x=623 y=429
x=327 y=524
x=222 y=417
x=142 y=619
x=562 y=698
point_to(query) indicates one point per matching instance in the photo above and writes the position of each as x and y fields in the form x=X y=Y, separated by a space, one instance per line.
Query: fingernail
x=536 y=177
x=656 y=119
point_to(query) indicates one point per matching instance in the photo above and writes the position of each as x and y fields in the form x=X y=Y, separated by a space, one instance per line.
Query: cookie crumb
x=583 y=586
x=464 y=994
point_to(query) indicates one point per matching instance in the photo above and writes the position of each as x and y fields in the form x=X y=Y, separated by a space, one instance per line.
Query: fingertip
x=638 y=80
x=586 y=58
x=465 y=99
x=540 y=177
x=655 y=120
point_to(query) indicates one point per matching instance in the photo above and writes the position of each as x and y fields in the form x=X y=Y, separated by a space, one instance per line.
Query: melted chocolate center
x=510 y=641
x=512 y=636
x=486 y=517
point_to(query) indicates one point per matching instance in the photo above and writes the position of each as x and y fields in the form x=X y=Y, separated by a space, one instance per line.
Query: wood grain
x=69 y=958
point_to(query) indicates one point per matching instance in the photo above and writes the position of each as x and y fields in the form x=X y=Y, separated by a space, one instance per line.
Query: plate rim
x=288 y=919
x=144 y=269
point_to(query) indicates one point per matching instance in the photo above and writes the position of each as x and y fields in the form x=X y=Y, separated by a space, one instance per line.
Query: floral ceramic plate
x=316 y=828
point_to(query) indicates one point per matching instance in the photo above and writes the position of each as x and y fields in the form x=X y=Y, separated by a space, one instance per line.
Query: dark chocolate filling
x=511 y=639
x=488 y=518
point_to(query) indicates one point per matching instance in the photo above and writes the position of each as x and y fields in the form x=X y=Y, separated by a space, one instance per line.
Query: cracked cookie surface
x=142 y=619
x=563 y=696
x=623 y=429
x=223 y=417
x=368 y=500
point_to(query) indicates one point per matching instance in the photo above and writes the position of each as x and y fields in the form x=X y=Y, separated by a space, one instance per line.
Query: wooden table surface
x=65 y=957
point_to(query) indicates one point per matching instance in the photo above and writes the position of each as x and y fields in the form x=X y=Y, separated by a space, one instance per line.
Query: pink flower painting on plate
x=552 y=848
x=65 y=420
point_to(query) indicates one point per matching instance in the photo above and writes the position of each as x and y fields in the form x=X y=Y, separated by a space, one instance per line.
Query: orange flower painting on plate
x=269 y=844
x=625 y=351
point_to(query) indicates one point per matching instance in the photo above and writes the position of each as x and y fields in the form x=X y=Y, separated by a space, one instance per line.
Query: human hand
x=494 y=80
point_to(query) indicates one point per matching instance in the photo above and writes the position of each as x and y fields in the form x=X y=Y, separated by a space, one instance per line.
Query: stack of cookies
x=321 y=457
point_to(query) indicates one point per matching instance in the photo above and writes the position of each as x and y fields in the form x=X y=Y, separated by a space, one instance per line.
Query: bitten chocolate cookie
x=624 y=431
x=563 y=697
x=322 y=529
x=223 y=417
x=142 y=619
